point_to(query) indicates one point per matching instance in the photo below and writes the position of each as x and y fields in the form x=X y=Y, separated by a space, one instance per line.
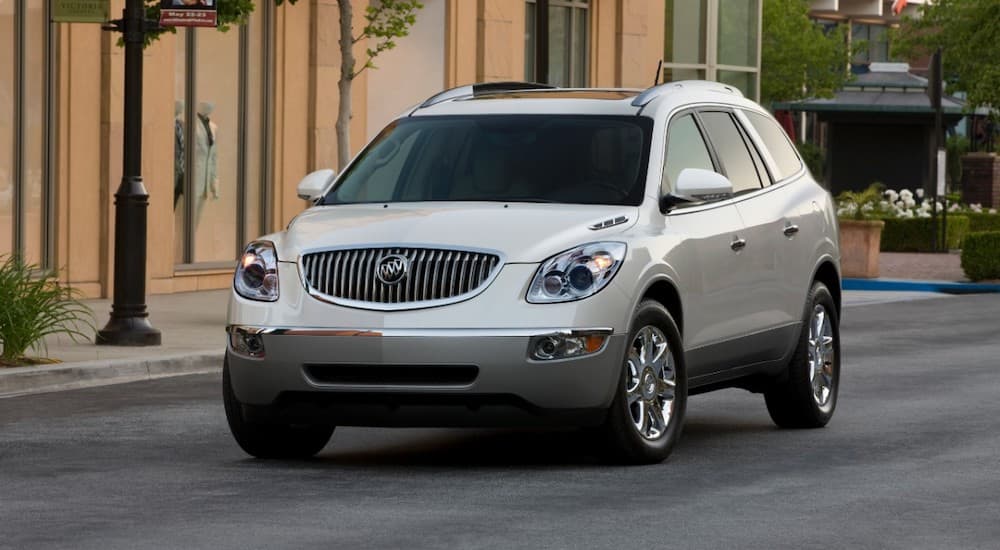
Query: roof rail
x=484 y=88
x=656 y=91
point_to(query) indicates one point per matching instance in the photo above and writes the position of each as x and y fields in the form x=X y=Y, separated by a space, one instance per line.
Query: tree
x=966 y=31
x=798 y=59
x=385 y=21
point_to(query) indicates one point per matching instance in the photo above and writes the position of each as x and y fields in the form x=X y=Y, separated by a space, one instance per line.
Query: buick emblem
x=392 y=269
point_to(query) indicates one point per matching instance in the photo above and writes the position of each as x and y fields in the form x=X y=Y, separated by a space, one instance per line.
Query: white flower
x=909 y=202
x=941 y=206
x=905 y=194
x=891 y=195
x=923 y=214
x=920 y=193
x=906 y=214
x=977 y=208
x=993 y=210
x=954 y=208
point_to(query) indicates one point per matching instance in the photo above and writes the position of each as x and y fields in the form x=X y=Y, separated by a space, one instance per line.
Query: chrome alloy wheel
x=821 y=358
x=650 y=382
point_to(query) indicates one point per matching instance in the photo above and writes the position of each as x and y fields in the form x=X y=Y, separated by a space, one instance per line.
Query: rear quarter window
x=777 y=143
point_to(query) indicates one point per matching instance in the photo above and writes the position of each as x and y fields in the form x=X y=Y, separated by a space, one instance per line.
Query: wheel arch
x=665 y=292
x=828 y=274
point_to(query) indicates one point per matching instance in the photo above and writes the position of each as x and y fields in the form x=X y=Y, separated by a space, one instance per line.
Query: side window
x=732 y=151
x=758 y=161
x=777 y=144
x=685 y=149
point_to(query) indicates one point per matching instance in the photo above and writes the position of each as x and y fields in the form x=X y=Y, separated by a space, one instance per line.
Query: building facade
x=868 y=23
x=233 y=120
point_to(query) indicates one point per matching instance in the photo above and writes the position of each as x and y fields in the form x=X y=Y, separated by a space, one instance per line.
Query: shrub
x=981 y=255
x=917 y=234
x=982 y=221
x=814 y=158
x=36 y=305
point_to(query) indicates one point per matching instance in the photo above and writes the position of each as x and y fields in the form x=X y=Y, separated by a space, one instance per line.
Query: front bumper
x=498 y=380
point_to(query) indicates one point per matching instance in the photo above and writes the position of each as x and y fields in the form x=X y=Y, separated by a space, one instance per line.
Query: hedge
x=981 y=255
x=917 y=234
x=983 y=221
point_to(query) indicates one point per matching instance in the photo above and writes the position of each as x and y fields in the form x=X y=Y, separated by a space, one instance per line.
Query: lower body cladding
x=443 y=378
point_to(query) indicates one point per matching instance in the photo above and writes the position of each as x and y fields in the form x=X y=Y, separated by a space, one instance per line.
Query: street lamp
x=129 y=324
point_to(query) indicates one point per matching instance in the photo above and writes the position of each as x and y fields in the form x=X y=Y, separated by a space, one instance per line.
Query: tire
x=270 y=440
x=805 y=395
x=643 y=383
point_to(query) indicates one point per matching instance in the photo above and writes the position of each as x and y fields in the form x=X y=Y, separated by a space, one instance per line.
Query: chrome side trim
x=420 y=332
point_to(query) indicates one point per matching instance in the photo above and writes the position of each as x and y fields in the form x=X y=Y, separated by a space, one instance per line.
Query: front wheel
x=647 y=414
x=806 y=395
x=270 y=440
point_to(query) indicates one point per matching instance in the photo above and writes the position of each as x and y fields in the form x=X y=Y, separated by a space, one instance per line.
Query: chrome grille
x=432 y=275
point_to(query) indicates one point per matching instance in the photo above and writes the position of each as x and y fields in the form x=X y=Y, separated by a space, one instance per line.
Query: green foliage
x=956 y=146
x=814 y=158
x=967 y=32
x=983 y=221
x=228 y=13
x=799 y=60
x=981 y=255
x=35 y=306
x=916 y=234
x=862 y=205
x=386 y=20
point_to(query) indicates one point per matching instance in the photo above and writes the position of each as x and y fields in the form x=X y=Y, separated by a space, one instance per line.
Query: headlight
x=257 y=275
x=577 y=273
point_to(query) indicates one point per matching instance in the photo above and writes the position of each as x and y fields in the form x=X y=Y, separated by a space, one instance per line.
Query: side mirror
x=314 y=183
x=697 y=185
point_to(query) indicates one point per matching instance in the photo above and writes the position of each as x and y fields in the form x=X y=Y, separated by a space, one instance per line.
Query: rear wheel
x=647 y=413
x=270 y=440
x=806 y=395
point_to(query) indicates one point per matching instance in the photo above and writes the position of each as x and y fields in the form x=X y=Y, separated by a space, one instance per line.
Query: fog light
x=565 y=345
x=246 y=343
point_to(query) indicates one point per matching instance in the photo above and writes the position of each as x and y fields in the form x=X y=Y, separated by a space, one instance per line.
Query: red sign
x=188 y=13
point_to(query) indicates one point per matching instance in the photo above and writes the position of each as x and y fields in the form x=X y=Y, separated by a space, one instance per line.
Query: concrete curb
x=85 y=374
x=946 y=287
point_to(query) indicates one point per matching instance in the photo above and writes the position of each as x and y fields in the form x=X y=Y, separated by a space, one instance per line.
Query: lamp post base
x=128 y=331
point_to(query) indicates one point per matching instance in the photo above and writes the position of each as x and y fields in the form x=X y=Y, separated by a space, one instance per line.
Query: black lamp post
x=129 y=324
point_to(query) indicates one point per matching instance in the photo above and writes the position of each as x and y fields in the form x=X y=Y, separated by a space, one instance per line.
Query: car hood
x=523 y=233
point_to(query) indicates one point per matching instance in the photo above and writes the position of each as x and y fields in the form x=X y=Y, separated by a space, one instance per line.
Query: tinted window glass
x=758 y=161
x=685 y=149
x=565 y=159
x=777 y=144
x=732 y=151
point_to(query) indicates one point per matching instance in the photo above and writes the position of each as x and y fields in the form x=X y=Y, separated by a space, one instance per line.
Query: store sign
x=80 y=11
x=188 y=13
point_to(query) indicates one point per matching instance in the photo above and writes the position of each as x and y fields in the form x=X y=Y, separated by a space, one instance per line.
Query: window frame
x=730 y=112
x=692 y=112
x=584 y=5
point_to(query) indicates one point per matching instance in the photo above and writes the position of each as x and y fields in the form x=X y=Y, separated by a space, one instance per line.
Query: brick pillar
x=981 y=179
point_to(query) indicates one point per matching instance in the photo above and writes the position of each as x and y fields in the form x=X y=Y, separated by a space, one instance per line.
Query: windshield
x=507 y=158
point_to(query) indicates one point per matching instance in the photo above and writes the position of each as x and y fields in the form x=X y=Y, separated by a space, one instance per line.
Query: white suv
x=511 y=253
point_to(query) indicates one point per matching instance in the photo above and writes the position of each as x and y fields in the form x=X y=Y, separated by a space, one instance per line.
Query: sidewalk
x=921 y=266
x=193 y=332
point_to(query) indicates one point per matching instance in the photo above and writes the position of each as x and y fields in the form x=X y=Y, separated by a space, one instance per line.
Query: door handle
x=790 y=230
x=738 y=244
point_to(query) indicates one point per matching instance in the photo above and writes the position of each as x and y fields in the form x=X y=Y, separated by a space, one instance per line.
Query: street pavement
x=910 y=460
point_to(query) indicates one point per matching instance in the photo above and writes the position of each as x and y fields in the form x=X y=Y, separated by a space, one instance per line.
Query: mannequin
x=178 y=151
x=204 y=181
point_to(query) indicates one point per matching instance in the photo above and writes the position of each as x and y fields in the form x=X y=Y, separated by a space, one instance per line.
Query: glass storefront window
x=685 y=31
x=746 y=82
x=874 y=38
x=568 y=33
x=24 y=128
x=219 y=140
x=737 y=36
x=7 y=178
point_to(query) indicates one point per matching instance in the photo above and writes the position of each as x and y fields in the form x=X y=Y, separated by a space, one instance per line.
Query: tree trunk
x=343 y=126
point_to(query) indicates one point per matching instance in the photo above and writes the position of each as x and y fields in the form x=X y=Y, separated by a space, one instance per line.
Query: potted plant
x=860 y=231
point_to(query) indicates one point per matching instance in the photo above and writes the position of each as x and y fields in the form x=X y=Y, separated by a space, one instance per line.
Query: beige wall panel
x=604 y=44
x=411 y=72
x=79 y=178
x=292 y=108
x=158 y=156
x=637 y=43
x=461 y=47
x=500 y=40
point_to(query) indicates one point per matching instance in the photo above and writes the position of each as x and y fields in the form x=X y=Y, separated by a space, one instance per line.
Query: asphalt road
x=911 y=460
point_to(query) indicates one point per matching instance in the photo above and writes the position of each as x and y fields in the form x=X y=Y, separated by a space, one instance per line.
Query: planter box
x=981 y=179
x=860 y=241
